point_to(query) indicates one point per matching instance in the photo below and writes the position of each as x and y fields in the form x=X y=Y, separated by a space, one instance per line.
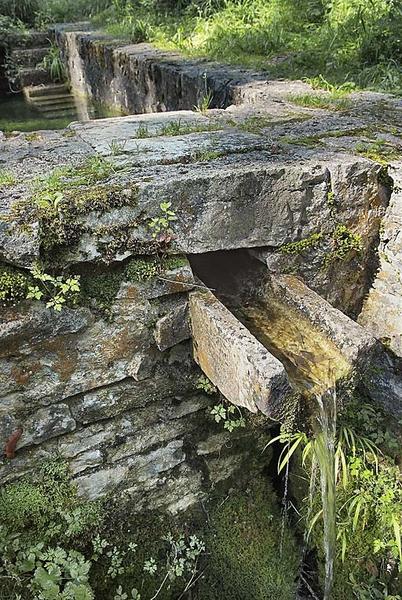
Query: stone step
x=61 y=114
x=51 y=89
x=52 y=98
x=33 y=76
x=53 y=107
x=30 y=39
x=28 y=58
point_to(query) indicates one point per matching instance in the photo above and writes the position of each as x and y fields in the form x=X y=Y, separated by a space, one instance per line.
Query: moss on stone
x=254 y=124
x=345 y=243
x=302 y=245
x=143 y=268
x=13 y=285
x=99 y=290
x=7 y=179
x=37 y=508
x=61 y=199
x=176 y=261
x=243 y=545
x=380 y=151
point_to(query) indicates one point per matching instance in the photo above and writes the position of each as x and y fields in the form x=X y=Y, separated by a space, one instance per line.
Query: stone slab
x=240 y=367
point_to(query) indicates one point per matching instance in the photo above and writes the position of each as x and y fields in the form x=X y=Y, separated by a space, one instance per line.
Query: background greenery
x=358 y=41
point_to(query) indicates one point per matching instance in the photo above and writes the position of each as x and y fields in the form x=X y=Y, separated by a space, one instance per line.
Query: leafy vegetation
x=346 y=44
x=55 y=546
x=229 y=414
x=338 y=45
x=53 y=63
x=369 y=501
x=302 y=245
x=56 y=291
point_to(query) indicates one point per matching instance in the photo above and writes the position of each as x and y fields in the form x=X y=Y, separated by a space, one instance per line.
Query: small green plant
x=206 y=98
x=53 y=63
x=229 y=414
x=302 y=245
x=369 y=499
x=7 y=179
x=344 y=242
x=57 y=290
x=205 y=102
x=117 y=147
x=331 y=199
x=160 y=225
x=143 y=132
x=204 y=384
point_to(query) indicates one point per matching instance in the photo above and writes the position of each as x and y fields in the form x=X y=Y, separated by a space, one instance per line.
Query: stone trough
x=110 y=382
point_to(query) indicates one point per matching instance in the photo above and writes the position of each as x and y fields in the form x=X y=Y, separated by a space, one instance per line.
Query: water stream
x=324 y=424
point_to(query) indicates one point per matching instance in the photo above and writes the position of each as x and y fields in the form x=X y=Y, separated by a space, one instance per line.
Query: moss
x=243 y=545
x=59 y=206
x=33 y=137
x=13 y=285
x=379 y=150
x=302 y=245
x=99 y=290
x=7 y=179
x=176 y=261
x=254 y=124
x=43 y=507
x=309 y=141
x=147 y=267
x=344 y=242
x=142 y=269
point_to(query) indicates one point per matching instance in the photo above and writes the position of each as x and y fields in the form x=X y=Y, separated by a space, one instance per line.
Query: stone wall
x=116 y=397
x=139 y=78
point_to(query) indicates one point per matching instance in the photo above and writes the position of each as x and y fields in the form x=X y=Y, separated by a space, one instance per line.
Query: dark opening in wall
x=231 y=274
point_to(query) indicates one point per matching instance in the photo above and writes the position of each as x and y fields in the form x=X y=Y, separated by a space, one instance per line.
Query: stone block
x=172 y=328
x=240 y=367
x=46 y=423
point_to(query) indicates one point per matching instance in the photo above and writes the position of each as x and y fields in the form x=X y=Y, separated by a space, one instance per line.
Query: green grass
x=176 y=128
x=34 y=124
x=349 y=43
x=324 y=101
x=339 y=45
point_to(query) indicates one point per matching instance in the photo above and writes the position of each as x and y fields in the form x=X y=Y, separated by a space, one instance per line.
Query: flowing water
x=325 y=431
x=313 y=364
